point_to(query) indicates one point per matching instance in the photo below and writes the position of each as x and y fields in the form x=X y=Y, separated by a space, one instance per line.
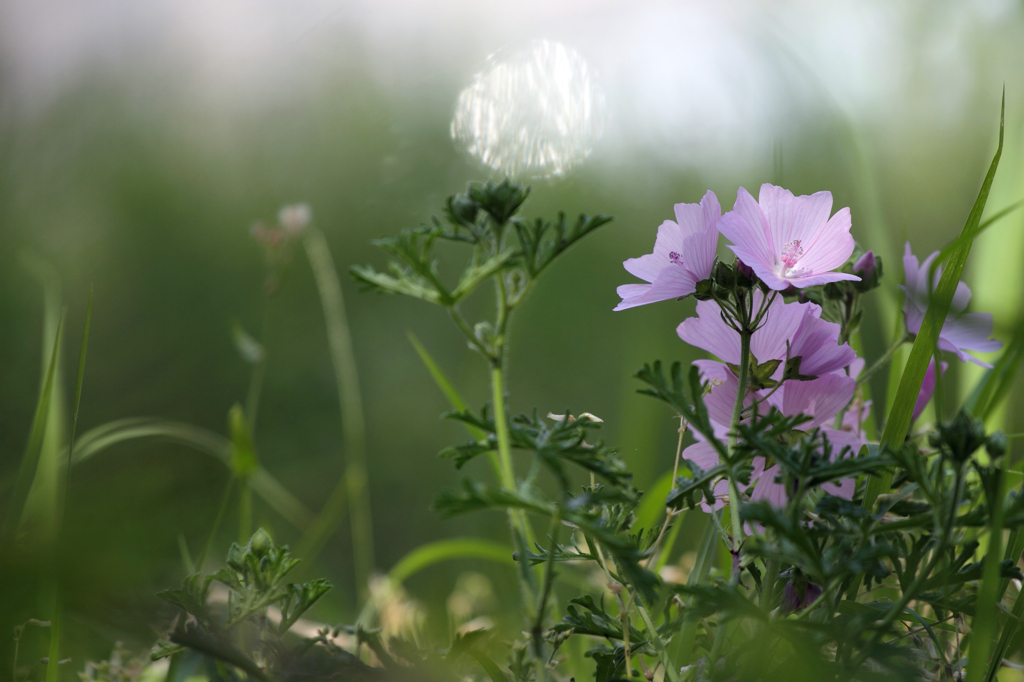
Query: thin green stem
x=737 y=410
x=537 y=632
x=501 y=429
x=252 y=399
x=882 y=361
x=244 y=513
x=355 y=480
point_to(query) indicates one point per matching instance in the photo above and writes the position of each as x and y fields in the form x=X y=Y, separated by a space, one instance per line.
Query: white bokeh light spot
x=532 y=113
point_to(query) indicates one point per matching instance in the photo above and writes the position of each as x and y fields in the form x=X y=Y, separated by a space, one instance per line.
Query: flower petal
x=709 y=332
x=830 y=246
x=821 y=398
x=747 y=228
x=793 y=218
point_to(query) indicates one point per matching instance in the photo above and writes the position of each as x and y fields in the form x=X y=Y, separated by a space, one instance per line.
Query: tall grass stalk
x=355 y=483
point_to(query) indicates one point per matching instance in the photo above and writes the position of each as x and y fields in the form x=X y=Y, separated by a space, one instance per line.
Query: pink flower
x=789 y=240
x=789 y=330
x=961 y=331
x=927 y=389
x=684 y=253
x=821 y=399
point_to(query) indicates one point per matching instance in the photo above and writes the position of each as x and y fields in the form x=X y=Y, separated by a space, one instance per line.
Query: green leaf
x=898 y=422
x=947 y=250
x=447 y=550
x=30 y=459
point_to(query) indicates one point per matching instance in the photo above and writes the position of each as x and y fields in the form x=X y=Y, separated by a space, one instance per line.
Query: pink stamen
x=791 y=253
x=675 y=258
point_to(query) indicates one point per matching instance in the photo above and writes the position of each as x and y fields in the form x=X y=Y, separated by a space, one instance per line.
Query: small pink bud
x=865 y=265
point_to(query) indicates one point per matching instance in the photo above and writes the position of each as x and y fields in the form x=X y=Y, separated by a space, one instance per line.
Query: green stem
x=501 y=429
x=737 y=410
x=244 y=513
x=355 y=479
x=252 y=398
x=537 y=631
x=882 y=361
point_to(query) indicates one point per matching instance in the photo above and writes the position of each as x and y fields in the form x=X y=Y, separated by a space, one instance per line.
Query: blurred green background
x=137 y=147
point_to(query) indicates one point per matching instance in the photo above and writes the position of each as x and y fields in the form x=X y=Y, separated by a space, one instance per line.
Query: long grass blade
x=30 y=459
x=947 y=250
x=201 y=440
x=454 y=399
x=355 y=480
x=53 y=663
x=898 y=422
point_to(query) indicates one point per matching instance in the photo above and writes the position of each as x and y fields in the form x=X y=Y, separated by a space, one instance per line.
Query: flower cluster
x=771 y=354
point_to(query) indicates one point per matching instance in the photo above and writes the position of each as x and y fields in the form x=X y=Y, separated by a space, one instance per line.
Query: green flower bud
x=260 y=543
x=996 y=445
x=961 y=437
x=724 y=275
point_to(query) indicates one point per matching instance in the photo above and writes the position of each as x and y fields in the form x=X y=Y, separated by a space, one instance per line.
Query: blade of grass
x=454 y=399
x=201 y=440
x=53 y=663
x=446 y=550
x=947 y=250
x=30 y=459
x=354 y=483
x=898 y=422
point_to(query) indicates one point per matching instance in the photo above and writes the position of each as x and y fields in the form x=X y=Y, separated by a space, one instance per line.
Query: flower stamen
x=791 y=254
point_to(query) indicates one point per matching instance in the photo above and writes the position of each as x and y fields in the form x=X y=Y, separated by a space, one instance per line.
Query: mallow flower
x=684 y=253
x=787 y=332
x=820 y=399
x=961 y=331
x=789 y=240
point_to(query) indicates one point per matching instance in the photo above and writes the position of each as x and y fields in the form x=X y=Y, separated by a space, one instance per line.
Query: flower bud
x=792 y=600
x=996 y=444
x=961 y=437
x=865 y=265
x=260 y=543
x=869 y=268
x=745 y=276
x=461 y=209
x=724 y=275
